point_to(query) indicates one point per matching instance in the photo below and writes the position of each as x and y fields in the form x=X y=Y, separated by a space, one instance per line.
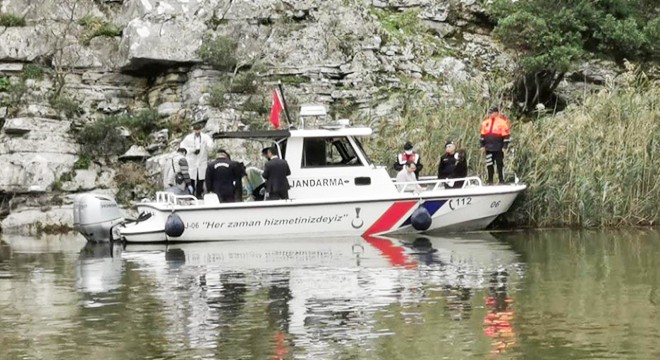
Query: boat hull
x=454 y=210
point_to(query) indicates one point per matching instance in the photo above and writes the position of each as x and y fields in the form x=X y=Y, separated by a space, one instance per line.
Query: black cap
x=197 y=126
x=449 y=142
x=408 y=146
x=493 y=109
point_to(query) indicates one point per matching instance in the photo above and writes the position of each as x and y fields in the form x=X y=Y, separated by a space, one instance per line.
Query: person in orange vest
x=495 y=138
x=408 y=155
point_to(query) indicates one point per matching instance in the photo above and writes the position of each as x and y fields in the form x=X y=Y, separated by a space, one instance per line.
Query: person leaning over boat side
x=176 y=178
x=447 y=163
x=198 y=146
x=407 y=155
x=275 y=173
x=495 y=137
x=223 y=176
x=407 y=175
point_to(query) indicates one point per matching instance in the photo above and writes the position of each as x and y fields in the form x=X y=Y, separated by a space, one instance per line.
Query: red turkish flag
x=276 y=109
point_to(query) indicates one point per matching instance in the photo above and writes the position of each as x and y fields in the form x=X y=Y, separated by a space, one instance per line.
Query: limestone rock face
x=34 y=152
x=33 y=221
x=146 y=43
x=23 y=43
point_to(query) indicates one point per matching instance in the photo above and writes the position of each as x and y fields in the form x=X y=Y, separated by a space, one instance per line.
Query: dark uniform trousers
x=495 y=158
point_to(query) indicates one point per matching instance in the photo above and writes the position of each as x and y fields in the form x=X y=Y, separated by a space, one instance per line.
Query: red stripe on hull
x=390 y=218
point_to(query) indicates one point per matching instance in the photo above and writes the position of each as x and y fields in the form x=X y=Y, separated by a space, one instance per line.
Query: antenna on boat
x=286 y=108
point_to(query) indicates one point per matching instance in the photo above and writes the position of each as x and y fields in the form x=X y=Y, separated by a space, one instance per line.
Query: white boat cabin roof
x=295 y=133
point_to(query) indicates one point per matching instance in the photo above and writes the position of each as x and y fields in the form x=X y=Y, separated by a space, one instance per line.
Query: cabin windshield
x=361 y=149
x=330 y=151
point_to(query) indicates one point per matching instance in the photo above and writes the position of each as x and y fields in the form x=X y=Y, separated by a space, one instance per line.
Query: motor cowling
x=95 y=215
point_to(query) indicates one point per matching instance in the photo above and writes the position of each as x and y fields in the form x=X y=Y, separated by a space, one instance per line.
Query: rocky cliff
x=68 y=63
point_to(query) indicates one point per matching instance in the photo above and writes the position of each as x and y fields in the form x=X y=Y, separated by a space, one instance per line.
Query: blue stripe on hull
x=431 y=206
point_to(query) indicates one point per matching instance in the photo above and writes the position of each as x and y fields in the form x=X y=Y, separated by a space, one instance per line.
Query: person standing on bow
x=408 y=155
x=495 y=138
x=198 y=146
x=224 y=177
x=275 y=173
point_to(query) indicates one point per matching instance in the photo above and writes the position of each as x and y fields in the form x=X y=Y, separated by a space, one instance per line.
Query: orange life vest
x=495 y=124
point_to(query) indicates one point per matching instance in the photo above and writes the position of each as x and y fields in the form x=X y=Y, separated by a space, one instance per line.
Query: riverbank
x=595 y=164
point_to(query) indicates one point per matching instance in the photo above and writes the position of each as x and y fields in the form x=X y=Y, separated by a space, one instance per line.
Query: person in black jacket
x=275 y=173
x=447 y=162
x=223 y=177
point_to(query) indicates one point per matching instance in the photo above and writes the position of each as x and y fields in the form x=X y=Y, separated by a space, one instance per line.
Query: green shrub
x=67 y=176
x=219 y=52
x=549 y=40
x=102 y=138
x=5 y=84
x=11 y=20
x=399 y=24
x=133 y=183
x=244 y=83
x=109 y=30
x=96 y=26
x=82 y=163
x=257 y=104
x=32 y=71
x=65 y=105
x=293 y=79
x=217 y=96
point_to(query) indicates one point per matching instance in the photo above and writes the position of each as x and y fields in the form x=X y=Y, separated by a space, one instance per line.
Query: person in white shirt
x=407 y=175
x=198 y=146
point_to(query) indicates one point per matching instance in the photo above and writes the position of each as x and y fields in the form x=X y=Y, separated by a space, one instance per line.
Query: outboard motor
x=95 y=215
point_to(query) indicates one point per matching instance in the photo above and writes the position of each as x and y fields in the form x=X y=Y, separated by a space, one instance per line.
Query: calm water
x=537 y=295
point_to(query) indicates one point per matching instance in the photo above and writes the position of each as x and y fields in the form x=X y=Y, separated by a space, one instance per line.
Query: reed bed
x=591 y=165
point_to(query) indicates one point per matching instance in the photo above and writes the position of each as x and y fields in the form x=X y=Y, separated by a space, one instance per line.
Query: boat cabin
x=326 y=160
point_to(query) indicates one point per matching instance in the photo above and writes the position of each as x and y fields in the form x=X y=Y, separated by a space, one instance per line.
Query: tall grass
x=594 y=164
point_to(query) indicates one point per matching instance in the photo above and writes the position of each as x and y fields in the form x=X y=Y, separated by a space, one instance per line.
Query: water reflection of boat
x=326 y=281
x=267 y=254
x=475 y=249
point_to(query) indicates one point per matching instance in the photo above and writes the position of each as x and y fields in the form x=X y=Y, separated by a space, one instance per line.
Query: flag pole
x=286 y=108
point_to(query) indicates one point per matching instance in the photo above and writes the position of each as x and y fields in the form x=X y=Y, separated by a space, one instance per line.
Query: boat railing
x=164 y=197
x=429 y=183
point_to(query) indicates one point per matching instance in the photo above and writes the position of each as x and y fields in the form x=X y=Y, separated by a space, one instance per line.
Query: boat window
x=334 y=151
x=361 y=149
x=282 y=144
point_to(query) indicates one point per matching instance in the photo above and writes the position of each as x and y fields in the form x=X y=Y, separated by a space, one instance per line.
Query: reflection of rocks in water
x=279 y=295
x=5 y=255
x=231 y=297
x=458 y=305
x=498 y=288
x=96 y=250
x=5 y=251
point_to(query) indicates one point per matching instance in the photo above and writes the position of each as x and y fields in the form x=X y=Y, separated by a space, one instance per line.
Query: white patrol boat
x=336 y=191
